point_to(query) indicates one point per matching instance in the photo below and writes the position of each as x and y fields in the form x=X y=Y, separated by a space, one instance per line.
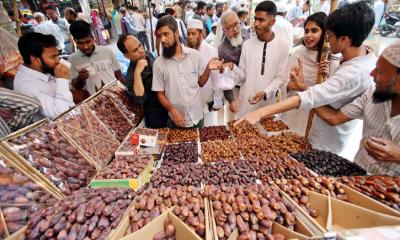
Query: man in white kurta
x=283 y=27
x=209 y=92
x=263 y=63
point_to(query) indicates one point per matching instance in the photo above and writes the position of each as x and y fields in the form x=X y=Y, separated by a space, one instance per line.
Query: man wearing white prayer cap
x=283 y=27
x=211 y=96
x=379 y=107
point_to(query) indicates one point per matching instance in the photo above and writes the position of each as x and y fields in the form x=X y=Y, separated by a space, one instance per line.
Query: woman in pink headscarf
x=99 y=30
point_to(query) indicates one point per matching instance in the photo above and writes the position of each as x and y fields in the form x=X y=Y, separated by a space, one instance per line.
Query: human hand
x=229 y=65
x=382 y=149
x=141 y=65
x=177 y=118
x=215 y=64
x=323 y=67
x=258 y=97
x=296 y=82
x=83 y=74
x=61 y=71
x=252 y=118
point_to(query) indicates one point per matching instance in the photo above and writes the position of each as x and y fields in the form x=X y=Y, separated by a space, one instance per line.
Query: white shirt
x=53 y=93
x=349 y=81
x=284 y=29
x=209 y=91
x=182 y=28
x=297 y=119
x=325 y=7
x=179 y=80
x=377 y=123
x=139 y=21
x=117 y=23
x=48 y=27
x=249 y=72
x=102 y=65
x=210 y=39
x=295 y=12
x=379 y=9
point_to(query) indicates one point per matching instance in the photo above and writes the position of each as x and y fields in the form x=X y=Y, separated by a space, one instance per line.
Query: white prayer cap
x=281 y=7
x=392 y=54
x=194 y=24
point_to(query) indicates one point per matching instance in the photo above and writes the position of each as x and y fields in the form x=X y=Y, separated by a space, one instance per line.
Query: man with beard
x=70 y=15
x=211 y=96
x=379 y=107
x=42 y=76
x=177 y=78
x=139 y=81
x=263 y=62
x=63 y=25
x=230 y=48
x=347 y=28
x=92 y=66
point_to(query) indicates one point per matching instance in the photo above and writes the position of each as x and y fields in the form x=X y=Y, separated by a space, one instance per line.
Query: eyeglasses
x=233 y=26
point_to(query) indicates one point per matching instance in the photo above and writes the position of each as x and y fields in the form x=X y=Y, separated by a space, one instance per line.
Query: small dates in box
x=144 y=137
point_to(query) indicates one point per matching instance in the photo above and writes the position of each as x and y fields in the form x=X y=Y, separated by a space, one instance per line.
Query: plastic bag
x=226 y=81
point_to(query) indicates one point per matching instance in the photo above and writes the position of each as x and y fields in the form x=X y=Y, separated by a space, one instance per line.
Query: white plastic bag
x=226 y=80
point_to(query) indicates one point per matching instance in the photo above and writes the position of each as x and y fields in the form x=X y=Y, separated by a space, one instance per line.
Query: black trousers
x=156 y=119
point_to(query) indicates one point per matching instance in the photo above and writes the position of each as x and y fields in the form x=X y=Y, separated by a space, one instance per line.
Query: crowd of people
x=211 y=57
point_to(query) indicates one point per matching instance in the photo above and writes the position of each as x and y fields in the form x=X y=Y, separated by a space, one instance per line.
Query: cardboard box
x=364 y=201
x=133 y=183
x=335 y=215
x=183 y=232
x=382 y=233
x=144 y=137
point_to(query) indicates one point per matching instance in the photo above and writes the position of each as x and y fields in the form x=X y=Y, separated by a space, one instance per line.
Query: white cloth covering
x=284 y=29
x=297 y=119
x=349 y=81
x=249 y=72
x=53 y=93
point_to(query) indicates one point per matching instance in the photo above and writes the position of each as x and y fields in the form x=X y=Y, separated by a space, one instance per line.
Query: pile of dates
x=219 y=150
x=125 y=167
x=187 y=202
x=289 y=142
x=272 y=125
x=181 y=153
x=111 y=116
x=50 y=153
x=213 y=133
x=229 y=173
x=328 y=164
x=299 y=190
x=168 y=232
x=19 y=195
x=251 y=209
x=385 y=189
x=243 y=130
x=189 y=174
x=86 y=214
x=182 y=135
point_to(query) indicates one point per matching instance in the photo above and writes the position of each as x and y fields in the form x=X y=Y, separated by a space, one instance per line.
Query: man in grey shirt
x=176 y=77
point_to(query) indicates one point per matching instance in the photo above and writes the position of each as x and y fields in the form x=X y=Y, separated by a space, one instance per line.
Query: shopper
x=92 y=66
x=48 y=27
x=347 y=28
x=118 y=21
x=283 y=27
x=211 y=96
x=211 y=36
x=177 y=79
x=42 y=76
x=140 y=27
x=295 y=12
x=70 y=15
x=63 y=25
x=139 y=81
x=200 y=11
x=209 y=17
x=230 y=48
x=307 y=57
x=379 y=107
x=322 y=6
x=263 y=62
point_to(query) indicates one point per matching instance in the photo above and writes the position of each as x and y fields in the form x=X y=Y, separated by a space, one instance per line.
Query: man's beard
x=237 y=41
x=169 y=52
x=383 y=96
x=194 y=46
x=46 y=69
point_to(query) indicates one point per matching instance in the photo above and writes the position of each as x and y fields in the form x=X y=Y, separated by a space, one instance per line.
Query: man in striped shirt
x=16 y=110
x=379 y=107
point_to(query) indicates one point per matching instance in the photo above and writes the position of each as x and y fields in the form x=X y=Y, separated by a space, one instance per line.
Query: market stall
x=96 y=173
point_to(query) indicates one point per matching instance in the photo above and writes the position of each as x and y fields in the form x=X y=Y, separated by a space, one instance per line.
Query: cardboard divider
x=183 y=232
x=364 y=201
x=347 y=216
